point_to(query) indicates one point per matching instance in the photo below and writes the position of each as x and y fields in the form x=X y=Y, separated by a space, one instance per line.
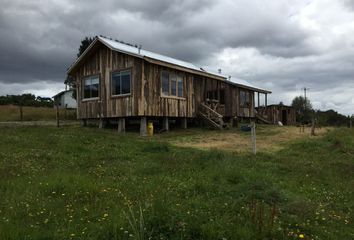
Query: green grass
x=12 y=113
x=86 y=183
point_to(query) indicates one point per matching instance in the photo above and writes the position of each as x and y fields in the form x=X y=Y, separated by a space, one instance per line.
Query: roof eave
x=250 y=88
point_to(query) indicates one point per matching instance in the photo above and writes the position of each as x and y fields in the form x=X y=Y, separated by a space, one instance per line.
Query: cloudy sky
x=281 y=45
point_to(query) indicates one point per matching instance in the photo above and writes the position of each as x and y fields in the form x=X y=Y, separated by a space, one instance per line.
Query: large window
x=91 y=86
x=244 y=99
x=121 y=82
x=171 y=84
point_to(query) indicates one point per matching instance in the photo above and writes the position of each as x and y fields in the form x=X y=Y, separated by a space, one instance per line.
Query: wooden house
x=277 y=113
x=117 y=81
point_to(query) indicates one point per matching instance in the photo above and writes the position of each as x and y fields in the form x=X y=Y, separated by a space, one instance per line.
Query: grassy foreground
x=86 y=183
x=12 y=113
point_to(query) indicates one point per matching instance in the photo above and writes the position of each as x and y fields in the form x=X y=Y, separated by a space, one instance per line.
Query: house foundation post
x=121 y=125
x=102 y=123
x=165 y=125
x=184 y=123
x=83 y=122
x=143 y=127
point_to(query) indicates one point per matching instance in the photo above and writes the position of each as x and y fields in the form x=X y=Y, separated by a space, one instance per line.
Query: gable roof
x=62 y=92
x=162 y=60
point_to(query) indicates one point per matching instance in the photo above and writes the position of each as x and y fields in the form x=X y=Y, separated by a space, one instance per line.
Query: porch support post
x=266 y=100
x=165 y=125
x=184 y=123
x=121 y=125
x=143 y=127
x=258 y=100
x=83 y=122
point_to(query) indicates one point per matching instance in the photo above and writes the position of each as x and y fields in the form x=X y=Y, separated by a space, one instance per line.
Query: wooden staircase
x=211 y=117
x=262 y=119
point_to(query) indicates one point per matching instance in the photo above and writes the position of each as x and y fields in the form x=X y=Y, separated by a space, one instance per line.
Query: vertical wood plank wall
x=145 y=98
x=274 y=114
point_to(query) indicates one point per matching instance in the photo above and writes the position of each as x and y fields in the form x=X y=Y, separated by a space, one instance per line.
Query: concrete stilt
x=121 y=125
x=184 y=123
x=102 y=123
x=83 y=122
x=165 y=125
x=143 y=130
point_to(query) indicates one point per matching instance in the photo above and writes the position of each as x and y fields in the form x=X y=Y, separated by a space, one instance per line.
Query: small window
x=244 y=99
x=180 y=86
x=121 y=82
x=165 y=83
x=171 y=84
x=91 y=87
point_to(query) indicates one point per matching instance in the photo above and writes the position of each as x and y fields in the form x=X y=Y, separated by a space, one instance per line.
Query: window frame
x=172 y=76
x=111 y=83
x=247 y=103
x=83 y=87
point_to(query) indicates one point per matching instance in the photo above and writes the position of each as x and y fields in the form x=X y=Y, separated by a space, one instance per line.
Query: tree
x=303 y=109
x=85 y=43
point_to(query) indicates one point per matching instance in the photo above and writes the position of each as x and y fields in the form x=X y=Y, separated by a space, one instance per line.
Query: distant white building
x=65 y=99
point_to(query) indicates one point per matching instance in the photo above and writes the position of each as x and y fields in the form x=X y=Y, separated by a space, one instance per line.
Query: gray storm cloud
x=280 y=44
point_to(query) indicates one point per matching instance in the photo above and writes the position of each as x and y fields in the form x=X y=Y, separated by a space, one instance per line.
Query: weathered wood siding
x=103 y=62
x=157 y=105
x=231 y=107
x=145 y=98
x=274 y=114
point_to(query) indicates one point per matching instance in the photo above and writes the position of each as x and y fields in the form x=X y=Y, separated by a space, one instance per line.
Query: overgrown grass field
x=12 y=113
x=86 y=183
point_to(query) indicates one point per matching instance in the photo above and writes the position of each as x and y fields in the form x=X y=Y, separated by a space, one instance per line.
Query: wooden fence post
x=57 y=114
x=21 y=113
x=313 y=128
x=253 y=137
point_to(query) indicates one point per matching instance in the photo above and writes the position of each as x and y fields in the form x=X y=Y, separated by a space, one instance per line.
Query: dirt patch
x=269 y=138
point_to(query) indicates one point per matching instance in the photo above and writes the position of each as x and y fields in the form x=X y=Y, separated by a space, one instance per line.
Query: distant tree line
x=26 y=99
x=305 y=113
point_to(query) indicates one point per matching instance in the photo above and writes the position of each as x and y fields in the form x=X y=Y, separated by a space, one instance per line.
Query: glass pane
x=180 y=86
x=95 y=85
x=86 y=91
x=165 y=83
x=173 y=85
x=87 y=81
x=242 y=98
x=115 y=83
x=95 y=80
x=125 y=81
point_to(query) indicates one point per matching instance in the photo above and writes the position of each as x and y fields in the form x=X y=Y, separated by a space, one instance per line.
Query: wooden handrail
x=210 y=110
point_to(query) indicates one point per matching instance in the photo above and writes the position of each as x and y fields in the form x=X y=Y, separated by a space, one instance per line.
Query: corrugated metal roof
x=132 y=50
x=243 y=83
x=144 y=53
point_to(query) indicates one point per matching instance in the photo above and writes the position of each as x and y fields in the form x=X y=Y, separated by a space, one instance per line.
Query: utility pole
x=305 y=90
x=305 y=107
